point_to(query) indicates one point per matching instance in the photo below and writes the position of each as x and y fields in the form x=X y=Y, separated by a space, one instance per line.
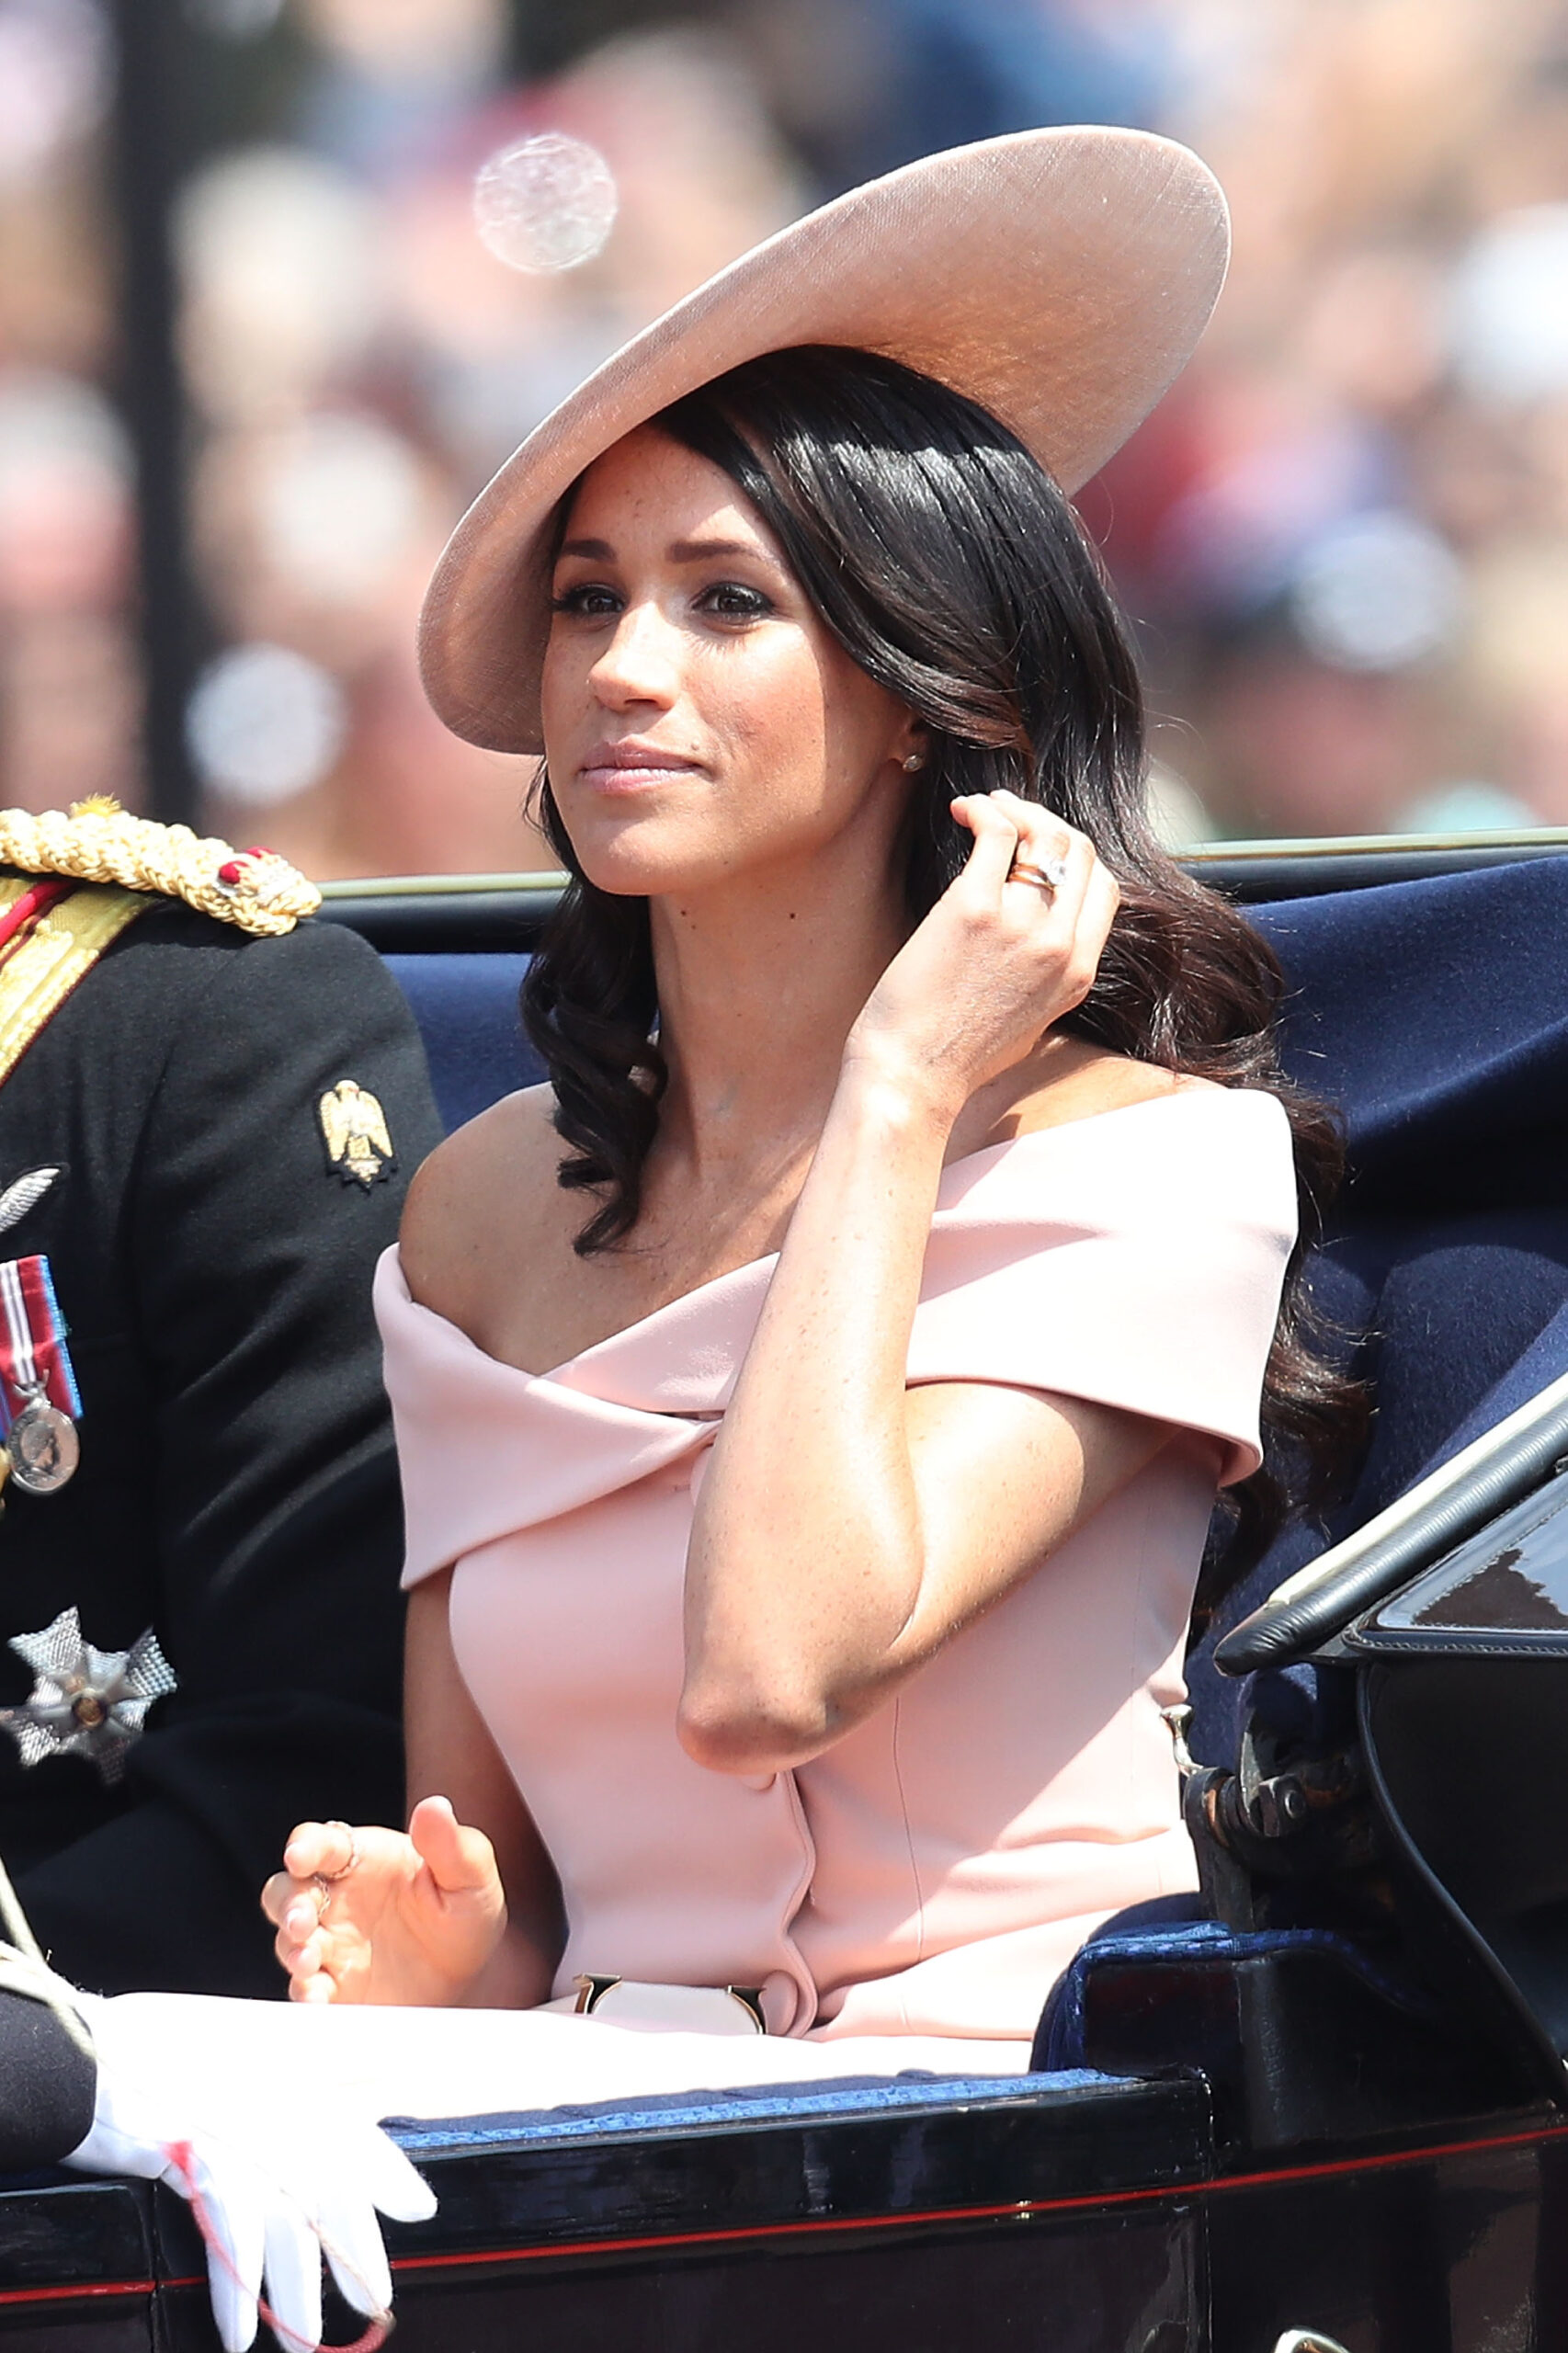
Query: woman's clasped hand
x=387 y=1916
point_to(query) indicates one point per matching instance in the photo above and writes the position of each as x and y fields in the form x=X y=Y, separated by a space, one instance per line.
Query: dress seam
x=805 y=1975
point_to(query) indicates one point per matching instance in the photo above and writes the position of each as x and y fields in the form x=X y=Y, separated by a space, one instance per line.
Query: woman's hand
x=378 y=1915
x=997 y=960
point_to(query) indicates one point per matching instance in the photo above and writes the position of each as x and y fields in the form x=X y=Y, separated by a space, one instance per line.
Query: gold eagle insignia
x=354 y=1127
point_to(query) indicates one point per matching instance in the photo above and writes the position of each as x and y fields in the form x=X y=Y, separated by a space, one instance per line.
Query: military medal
x=85 y=1703
x=42 y=1448
x=38 y=1398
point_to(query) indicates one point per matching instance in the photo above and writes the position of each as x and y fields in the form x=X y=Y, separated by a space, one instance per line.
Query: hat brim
x=1059 y=278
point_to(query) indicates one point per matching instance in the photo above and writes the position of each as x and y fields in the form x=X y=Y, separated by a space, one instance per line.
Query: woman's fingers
x=326 y=1848
x=305 y=1957
x=1008 y=831
x=321 y=1860
x=1087 y=895
x=312 y=1968
x=317 y=1853
x=302 y=1945
x=294 y=1907
x=1045 y=842
x=275 y=1894
x=996 y=838
x=1072 y=896
x=322 y=1987
x=309 y=1969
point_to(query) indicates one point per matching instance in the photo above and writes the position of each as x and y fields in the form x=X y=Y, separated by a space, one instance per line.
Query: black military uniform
x=48 y=2086
x=211 y=1231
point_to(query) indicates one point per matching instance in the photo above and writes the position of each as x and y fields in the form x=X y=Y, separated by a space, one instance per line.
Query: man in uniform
x=209 y=1114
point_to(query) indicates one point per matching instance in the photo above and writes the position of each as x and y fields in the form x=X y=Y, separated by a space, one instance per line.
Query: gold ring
x=1050 y=875
x=326 y=1879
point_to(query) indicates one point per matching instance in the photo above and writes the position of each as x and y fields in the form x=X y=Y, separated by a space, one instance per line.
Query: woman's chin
x=620 y=886
x=626 y=855
x=629 y=868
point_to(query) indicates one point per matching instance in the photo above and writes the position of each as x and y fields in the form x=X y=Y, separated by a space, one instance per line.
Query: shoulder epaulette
x=97 y=841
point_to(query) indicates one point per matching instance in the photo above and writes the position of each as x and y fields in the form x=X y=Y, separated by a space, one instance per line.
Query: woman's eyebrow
x=678 y=551
x=697 y=551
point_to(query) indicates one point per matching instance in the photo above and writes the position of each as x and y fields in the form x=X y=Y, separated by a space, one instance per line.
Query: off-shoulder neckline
x=967 y=1159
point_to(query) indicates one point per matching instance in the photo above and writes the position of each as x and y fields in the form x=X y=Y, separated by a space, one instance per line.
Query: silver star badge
x=85 y=1703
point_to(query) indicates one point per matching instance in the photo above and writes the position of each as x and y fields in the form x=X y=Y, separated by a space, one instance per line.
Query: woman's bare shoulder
x=489 y=1190
x=1093 y=1080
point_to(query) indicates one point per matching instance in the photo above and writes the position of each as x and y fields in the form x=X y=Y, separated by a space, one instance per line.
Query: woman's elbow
x=751 y=1732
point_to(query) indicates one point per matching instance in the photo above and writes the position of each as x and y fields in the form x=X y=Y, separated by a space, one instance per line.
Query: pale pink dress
x=932 y=1872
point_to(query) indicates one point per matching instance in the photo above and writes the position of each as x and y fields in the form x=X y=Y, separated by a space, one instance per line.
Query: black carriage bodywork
x=1089 y=2215
x=1239 y=2130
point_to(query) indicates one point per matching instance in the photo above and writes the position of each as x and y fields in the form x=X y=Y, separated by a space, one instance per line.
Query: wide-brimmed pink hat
x=1059 y=278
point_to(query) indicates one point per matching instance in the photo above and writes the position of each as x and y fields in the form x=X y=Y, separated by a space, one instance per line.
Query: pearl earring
x=915 y=760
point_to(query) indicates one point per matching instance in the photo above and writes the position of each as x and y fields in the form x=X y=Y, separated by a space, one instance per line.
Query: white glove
x=286 y=2163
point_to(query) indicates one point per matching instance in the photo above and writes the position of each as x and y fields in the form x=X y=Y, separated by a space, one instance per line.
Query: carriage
x=1322 y=2105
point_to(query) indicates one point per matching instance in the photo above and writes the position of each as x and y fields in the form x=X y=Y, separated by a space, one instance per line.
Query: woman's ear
x=913 y=748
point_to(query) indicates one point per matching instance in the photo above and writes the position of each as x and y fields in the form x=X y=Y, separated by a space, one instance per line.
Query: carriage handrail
x=1428 y=1520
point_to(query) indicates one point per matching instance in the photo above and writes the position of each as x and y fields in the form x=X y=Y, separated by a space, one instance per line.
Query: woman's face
x=700 y=722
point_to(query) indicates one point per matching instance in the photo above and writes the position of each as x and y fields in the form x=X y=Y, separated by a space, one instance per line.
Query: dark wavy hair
x=952 y=569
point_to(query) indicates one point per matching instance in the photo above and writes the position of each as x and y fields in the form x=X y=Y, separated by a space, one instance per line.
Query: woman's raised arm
x=847 y=1525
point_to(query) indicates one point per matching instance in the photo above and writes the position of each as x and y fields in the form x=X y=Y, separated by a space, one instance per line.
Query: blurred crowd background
x=400 y=230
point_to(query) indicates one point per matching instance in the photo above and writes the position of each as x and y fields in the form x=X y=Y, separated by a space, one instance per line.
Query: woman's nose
x=639 y=665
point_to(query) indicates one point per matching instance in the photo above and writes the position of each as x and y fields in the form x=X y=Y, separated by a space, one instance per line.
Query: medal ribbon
x=32 y=1342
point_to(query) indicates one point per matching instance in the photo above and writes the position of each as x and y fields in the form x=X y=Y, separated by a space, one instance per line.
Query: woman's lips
x=609 y=774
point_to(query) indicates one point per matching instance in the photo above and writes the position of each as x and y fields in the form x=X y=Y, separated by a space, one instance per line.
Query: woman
x=812 y=1405
x=808 y=1475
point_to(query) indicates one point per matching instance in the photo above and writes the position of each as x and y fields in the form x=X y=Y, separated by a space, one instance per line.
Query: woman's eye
x=732 y=601
x=589 y=598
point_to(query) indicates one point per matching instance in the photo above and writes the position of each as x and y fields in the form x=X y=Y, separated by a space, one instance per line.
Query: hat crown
x=1059 y=278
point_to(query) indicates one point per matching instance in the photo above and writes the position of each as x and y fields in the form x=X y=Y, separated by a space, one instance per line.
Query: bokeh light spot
x=1379 y=592
x=55 y=80
x=264 y=723
x=545 y=204
x=1509 y=307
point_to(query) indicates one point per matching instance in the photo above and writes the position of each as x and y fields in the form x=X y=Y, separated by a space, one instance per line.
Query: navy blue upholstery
x=467 y=1010
x=1184 y=1935
x=1435 y=1016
